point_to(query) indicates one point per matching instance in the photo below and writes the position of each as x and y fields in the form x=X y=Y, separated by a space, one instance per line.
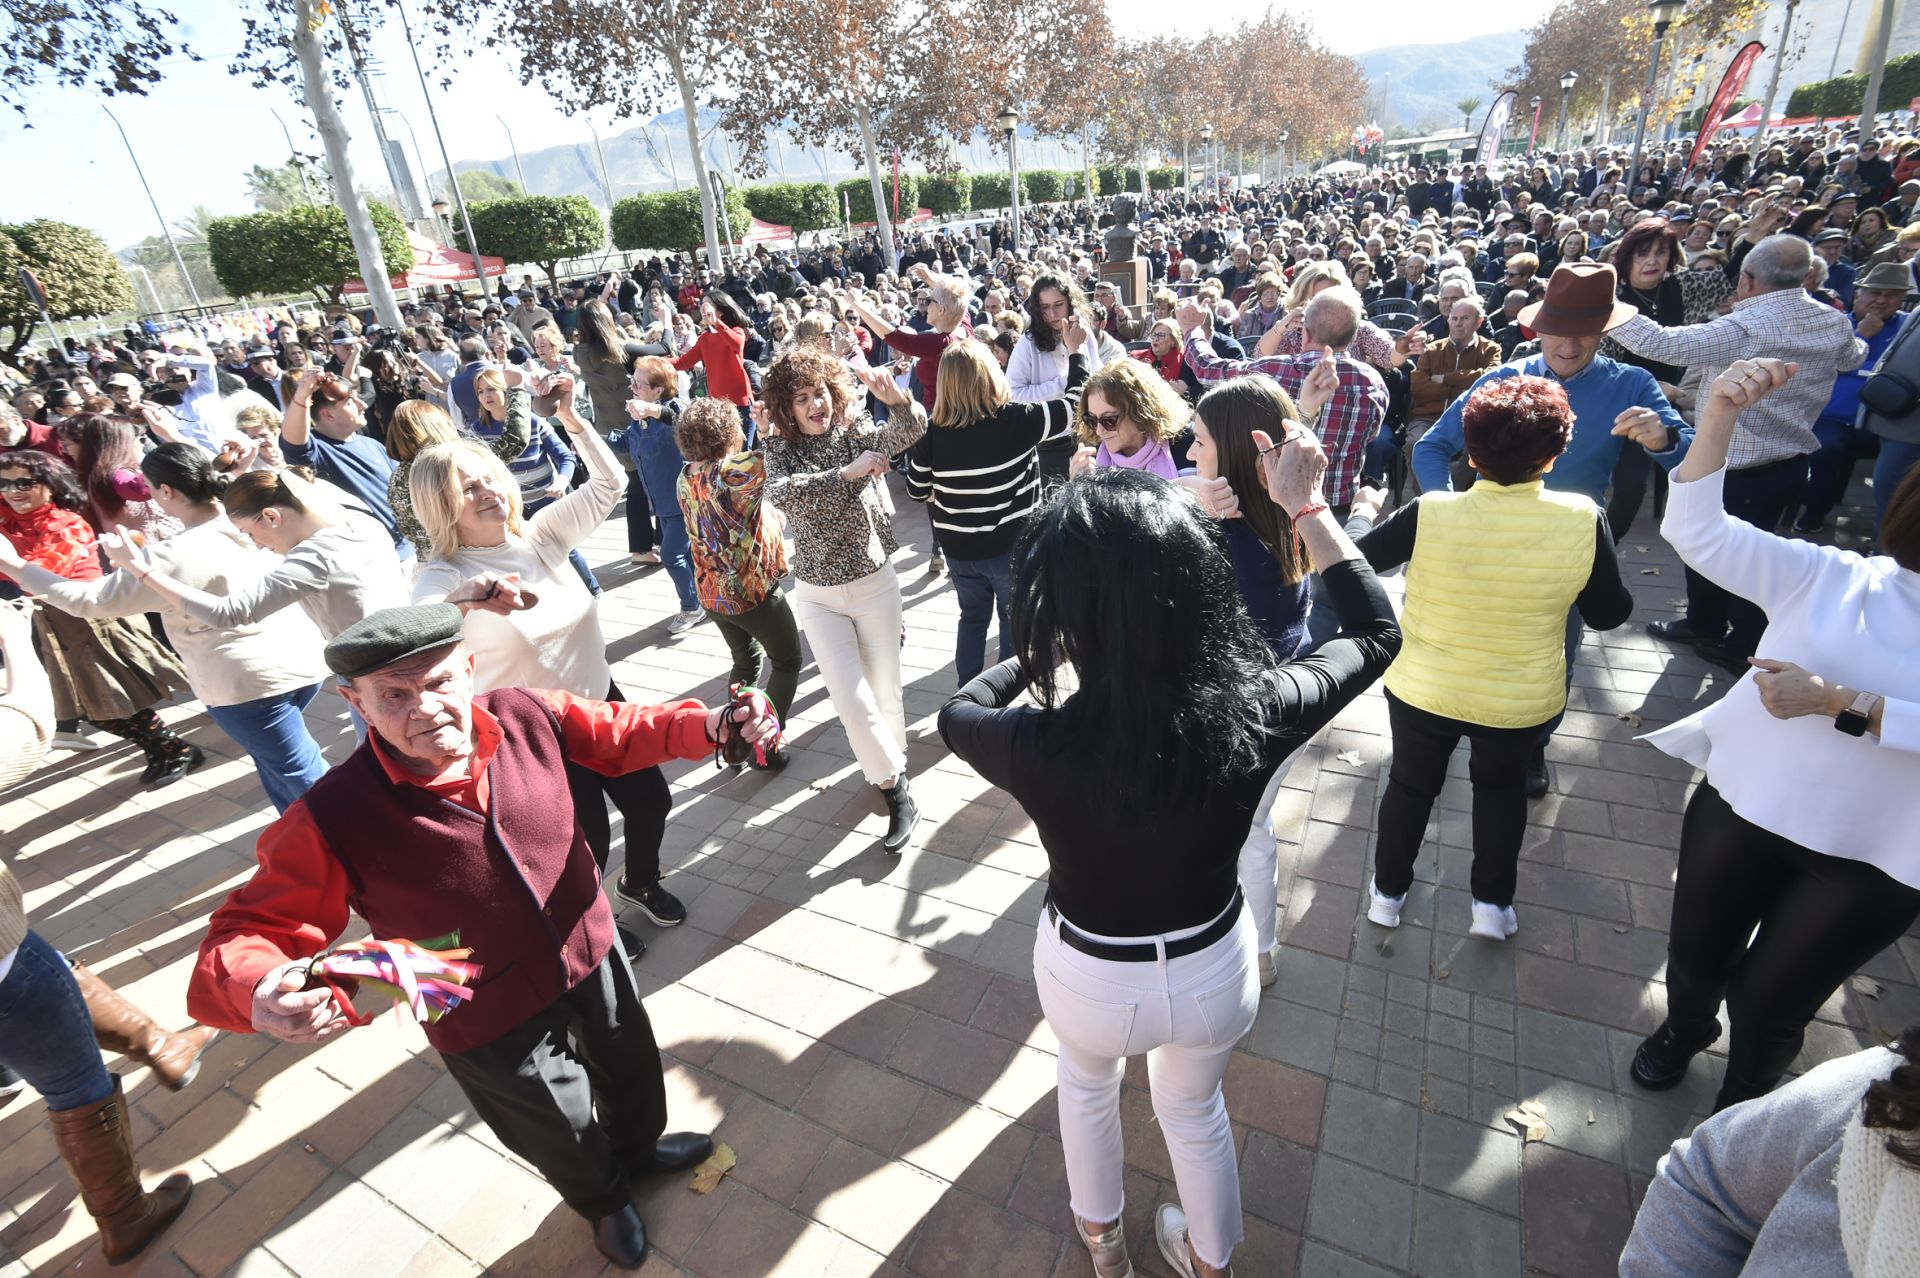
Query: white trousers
x=854 y=631
x=1185 y=1014
x=1260 y=864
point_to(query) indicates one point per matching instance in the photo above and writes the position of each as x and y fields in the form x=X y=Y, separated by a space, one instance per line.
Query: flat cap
x=381 y=638
x=1827 y=237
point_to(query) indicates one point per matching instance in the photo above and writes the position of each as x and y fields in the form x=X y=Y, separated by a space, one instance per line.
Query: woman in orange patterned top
x=738 y=556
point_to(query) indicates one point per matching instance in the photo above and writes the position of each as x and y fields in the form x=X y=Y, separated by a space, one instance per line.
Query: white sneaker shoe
x=1269 y=966
x=682 y=622
x=1170 y=1231
x=1493 y=922
x=1384 y=910
x=65 y=740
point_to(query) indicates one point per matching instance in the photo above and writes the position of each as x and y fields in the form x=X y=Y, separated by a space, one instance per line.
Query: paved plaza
x=863 y=1030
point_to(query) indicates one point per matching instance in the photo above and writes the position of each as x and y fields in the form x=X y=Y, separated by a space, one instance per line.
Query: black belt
x=1141 y=953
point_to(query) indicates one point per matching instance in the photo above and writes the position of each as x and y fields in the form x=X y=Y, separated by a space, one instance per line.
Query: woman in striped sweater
x=979 y=469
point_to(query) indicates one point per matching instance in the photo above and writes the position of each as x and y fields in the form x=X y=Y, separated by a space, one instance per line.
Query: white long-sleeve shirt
x=1037 y=376
x=1847 y=618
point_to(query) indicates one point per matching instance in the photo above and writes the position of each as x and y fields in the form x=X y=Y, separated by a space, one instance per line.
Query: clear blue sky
x=201 y=129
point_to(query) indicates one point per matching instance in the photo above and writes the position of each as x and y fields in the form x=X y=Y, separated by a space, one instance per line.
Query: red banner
x=1730 y=85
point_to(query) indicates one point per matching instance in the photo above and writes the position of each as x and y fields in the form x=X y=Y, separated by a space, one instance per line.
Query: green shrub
x=541 y=229
x=671 y=220
x=1845 y=95
x=299 y=249
x=805 y=206
x=990 y=191
x=947 y=193
x=858 y=193
x=1164 y=179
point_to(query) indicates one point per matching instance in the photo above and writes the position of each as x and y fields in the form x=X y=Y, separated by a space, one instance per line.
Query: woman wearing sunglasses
x=1129 y=417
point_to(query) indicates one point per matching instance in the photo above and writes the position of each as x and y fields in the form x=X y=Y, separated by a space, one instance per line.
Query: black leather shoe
x=630 y=945
x=179 y=765
x=676 y=1151
x=1662 y=1059
x=622 y=1238
x=1679 y=630
x=1716 y=654
x=1539 y=780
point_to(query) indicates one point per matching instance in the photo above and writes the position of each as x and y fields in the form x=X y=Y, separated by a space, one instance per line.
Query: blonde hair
x=1140 y=395
x=1312 y=274
x=434 y=481
x=812 y=329
x=971 y=385
x=416 y=425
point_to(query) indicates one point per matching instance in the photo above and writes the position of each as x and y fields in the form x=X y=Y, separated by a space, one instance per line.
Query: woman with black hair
x=1821 y=1179
x=601 y=358
x=721 y=349
x=1647 y=261
x=1037 y=369
x=254 y=678
x=1143 y=774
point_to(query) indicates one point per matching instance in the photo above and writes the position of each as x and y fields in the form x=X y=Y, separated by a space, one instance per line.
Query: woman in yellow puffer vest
x=1491 y=573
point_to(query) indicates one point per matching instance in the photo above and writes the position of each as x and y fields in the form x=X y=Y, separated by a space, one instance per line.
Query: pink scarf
x=1151 y=456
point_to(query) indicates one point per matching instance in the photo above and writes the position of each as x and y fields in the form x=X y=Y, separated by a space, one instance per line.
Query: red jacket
x=719 y=349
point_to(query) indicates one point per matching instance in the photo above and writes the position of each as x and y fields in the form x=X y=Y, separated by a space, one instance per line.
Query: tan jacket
x=1446 y=370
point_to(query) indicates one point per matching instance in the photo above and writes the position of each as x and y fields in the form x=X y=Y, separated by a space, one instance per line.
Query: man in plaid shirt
x=1348 y=419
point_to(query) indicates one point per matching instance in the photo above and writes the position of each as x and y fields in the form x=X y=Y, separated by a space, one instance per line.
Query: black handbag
x=1893 y=392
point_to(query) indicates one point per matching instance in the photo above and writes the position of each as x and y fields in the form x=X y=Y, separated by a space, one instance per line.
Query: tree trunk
x=1606 y=111
x=1140 y=155
x=1186 y=168
x=1870 y=101
x=1086 y=158
x=709 y=216
x=881 y=217
x=333 y=135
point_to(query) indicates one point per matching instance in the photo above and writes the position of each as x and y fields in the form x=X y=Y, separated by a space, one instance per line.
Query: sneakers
x=1662 y=1058
x=903 y=814
x=654 y=901
x=1384 y=910
x=72 y=739
x=646 y=558
x=1493 y=922
x=1269 y=966
x=1170 y=1231
x=1539 y=780
x=1108 y=1250
x=681 y=622
x=937 y=565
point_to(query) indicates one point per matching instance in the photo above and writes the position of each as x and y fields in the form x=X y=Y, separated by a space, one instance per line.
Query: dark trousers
x=1631 y=476
x=639 y=516
x=644 y=799
x=538 y=1087
x=1819 y=918
x=1763 y=496
x=1422 y=744
x=1831 y=469
x=765 y=633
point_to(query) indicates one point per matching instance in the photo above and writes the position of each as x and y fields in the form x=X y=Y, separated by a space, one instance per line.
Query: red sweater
x=719 y=349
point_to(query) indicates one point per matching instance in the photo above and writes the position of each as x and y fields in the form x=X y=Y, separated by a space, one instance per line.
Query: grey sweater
x=1751 y=1192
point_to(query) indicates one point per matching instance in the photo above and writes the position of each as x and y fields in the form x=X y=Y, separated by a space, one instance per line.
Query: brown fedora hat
x=1888 y=275
x=1579 y=303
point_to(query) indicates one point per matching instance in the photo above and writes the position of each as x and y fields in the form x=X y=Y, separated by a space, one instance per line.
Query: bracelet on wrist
x=1309 y=510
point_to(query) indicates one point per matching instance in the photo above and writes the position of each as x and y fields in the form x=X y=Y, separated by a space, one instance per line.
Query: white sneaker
x=937 y=565
x=1269 y=966
x=1493 y=922
x=1170 y=1231
x=1384 y=910
x=682 y=622
x=64 y=740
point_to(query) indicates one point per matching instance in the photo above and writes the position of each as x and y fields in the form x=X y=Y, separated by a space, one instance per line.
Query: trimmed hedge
x=858 y=194
x=947 y=192
x=670 y=219
x=990 y=191
x=1164 y=179
x=299 y=249
x=1113 y=179
x=805 y=206
x=1846 y=94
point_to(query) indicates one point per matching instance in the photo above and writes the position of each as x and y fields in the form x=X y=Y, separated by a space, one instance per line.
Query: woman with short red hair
x=1490 y=577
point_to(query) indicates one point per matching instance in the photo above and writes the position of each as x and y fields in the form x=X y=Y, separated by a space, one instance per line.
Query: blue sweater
x=1599 y=393
x=1278 y=609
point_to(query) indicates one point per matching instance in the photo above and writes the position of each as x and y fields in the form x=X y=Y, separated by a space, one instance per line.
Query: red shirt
x=39 y=439
x=296 y=902
x=720 y=349
x=926 y=349
x=55 y=539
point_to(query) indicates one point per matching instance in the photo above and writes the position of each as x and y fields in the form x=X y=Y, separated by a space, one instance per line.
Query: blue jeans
x=46 y=1033
x=275 y=734
x=657 y=457
x=1896 y=460
x=985 y=587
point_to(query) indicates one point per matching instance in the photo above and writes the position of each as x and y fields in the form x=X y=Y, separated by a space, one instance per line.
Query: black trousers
x=539 y=1085
x=644 y=799
x=1632 y=475
x=1763 y=496
x=764 y=634
x=1819 y=918
x=1422 y=744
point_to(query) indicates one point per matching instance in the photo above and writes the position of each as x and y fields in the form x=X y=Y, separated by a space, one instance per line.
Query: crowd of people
x=1167 y=449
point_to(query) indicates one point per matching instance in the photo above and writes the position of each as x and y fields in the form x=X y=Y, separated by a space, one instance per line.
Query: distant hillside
x=1422 y=82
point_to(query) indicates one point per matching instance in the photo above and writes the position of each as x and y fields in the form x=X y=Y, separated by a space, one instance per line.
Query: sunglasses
x=1104 y=421
x=24 y=484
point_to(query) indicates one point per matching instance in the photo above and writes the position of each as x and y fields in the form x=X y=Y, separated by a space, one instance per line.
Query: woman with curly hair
x=825 y=459
x=1129 y=417
x=1485 y=660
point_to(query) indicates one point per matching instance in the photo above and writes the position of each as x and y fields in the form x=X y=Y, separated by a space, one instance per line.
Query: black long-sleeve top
x=1146 y=864
x=1604 y=602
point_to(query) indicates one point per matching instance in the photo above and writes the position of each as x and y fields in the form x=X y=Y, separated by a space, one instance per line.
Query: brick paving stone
x=860 y=1102
x=1361 y=1211
x=1455 y=1239
x=1576 y=1213
x=1470 y=1161
x=964 y=1235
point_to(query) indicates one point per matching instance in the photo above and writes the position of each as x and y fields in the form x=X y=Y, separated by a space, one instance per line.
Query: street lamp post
x=305 y=190
x=165 y=230
x=1533 y=134
x=1283 y=155
x=513 y=146
x=1663 y=12
x=1206 y=151
x=1009 y=120
x=441 y=221
x=1567 y=82
x=433 y=119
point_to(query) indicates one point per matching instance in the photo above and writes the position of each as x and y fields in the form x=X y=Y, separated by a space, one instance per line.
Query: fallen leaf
x=1645 y=550
x=1629 y=718
x=1622 y=930
x=310 y=1149
x=1442 y=974
x=1867 y=986
x=1350 y=757
x=820 y=784
x=1649 y=572
x=706 y=1177
x=1530 y=1117
x=1591 y=1120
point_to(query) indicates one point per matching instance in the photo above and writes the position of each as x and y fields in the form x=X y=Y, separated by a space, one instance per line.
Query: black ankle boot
x=902 y=815
x=181 y=758
x=156 y=761
x=1662 y=1059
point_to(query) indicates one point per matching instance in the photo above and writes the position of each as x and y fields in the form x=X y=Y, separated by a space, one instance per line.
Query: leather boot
x=119 y=1026
x=97 y=1145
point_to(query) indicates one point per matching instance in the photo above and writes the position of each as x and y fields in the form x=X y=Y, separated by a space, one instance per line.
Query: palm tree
x=1466 y=107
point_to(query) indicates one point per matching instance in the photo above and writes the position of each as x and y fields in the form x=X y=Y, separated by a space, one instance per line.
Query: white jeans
x=1185 y=1014
x=854 y=631
x=1260 y=864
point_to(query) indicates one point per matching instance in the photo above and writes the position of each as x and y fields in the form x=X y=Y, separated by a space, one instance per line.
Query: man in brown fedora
x=1877 y=320
x=1614 y=404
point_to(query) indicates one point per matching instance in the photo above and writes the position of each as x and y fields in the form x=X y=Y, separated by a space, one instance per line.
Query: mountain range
x=1415 y=86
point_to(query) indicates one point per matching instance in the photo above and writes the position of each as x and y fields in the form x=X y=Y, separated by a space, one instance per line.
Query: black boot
x=1539 y=780
x=1662 y=1059
x=902 y=815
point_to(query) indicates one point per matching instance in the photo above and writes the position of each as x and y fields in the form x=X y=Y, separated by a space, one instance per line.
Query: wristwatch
x=1854 y=719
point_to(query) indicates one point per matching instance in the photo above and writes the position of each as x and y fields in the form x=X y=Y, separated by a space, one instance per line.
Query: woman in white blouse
x=1798 y=857
x=549 y=635
x=1037 y=369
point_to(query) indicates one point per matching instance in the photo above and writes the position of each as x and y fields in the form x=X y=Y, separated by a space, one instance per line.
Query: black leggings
x=1819 y=919
x=643 y=798
x=1422 y=744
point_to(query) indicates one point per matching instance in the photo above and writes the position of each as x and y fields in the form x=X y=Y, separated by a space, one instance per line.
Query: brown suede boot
x=97 y=1144
x=119 y=1026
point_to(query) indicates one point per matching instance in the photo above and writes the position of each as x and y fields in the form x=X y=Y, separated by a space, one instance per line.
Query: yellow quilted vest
x=1493 y=573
